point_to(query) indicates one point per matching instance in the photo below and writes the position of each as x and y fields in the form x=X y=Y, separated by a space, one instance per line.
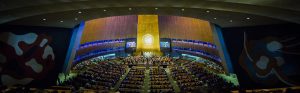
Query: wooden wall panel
x=116 y=27
x=185 y=28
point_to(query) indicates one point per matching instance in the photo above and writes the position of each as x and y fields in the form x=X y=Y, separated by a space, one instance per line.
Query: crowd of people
x=105 y=76
x=185 y=80
x=189 y=76
x=102 y=76
x=209 y=78
x=153 y=61
x=214 y=66
x=83 y=65
x=134 y=81
x=159 y=81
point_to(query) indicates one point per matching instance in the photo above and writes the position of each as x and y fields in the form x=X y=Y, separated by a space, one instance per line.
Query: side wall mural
x=32 y=55
x=265 y=56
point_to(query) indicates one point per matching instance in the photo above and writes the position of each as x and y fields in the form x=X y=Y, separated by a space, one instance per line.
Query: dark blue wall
x=265 y=56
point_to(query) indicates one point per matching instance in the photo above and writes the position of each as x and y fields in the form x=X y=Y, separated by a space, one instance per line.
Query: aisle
x=116 y=87
x=146 y=86
x=173 y=82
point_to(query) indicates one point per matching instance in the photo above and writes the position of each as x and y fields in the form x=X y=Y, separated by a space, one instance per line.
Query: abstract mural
x=32 y=52
x=269 y=56
x=30 y=57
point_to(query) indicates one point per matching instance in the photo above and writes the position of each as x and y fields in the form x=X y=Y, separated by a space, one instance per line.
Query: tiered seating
x=159 y=81
x=185 y=80
x=153 y=61
x=103 y=76
x=133 y=81
x=182 y=61
x=212 y=80
x=217 y=67
x=83 y=65
x=189 y=76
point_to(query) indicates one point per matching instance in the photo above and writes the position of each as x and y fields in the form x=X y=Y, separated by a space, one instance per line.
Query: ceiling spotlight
x=44 y=19
x=230 y=21
x=129 y=8
x=182 y=9
x=79 y=12
x=215 y=18
x=76 y=19
x=248 y=18
x=104 y=10
x=61 y=21
x=156 y=8
x=207 y=11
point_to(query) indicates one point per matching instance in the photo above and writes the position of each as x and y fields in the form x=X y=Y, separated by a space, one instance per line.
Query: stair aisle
x=116 y=87
x=146 y=86
x=173 y=82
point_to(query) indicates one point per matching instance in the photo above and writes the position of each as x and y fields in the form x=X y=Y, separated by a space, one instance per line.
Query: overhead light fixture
x=79 y=12
x=129 y=8
x=156 y=8
x=104 y=10
x=61 y=21
x=44 y=19
x=207 y=11
x=182 y=9
x=76 y=18
x=248 y=18
x=215 y=18
x=230 y=21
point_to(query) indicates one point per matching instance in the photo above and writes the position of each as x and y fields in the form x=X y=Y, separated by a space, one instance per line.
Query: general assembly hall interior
x=149 y=46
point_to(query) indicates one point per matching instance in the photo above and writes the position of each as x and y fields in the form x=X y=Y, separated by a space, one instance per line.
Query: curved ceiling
x=226 y=13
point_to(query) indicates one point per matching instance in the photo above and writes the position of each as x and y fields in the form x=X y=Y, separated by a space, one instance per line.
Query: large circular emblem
x=148 y=39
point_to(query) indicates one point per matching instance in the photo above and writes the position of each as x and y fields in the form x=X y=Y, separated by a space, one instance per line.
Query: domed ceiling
x=226 y=13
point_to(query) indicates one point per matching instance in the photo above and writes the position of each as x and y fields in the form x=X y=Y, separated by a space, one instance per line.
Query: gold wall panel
x=148 y=34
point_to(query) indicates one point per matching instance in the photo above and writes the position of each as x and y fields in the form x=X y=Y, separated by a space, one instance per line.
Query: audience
x=214 y=66
x=102 y=76
x=105 y=76
x=133 y=81
x=159 y=81
x=83 y=65
x=189 y=76
x=141 y=60
x=185 y=80
x=210 y=79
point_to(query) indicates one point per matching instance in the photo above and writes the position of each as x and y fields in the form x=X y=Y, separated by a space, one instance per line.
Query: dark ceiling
x=226 y=13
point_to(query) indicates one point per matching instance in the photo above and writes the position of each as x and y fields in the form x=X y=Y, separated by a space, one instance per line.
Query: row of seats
x=133 y=81
x=140 y=60
x=185 y=80
x=210 y=79
x=83 y=65
x=102 y=76
x=159 y=81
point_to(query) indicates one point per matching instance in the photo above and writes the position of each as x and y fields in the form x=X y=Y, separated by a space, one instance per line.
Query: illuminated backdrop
x=148 y=34
x=184 y=32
